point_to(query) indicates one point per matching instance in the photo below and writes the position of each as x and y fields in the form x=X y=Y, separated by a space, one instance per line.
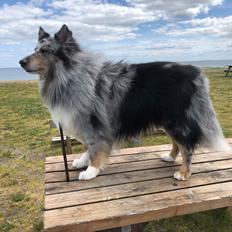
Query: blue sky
x=134 y=30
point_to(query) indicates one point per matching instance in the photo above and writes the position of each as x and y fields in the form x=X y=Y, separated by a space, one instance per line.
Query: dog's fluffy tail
x=212 y=135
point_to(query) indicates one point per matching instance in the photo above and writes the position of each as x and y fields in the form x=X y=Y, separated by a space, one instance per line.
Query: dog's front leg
x=82 y=162
x=98 y=139
x=98 y=161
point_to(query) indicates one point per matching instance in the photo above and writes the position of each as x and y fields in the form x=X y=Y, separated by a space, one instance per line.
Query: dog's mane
x=91 y=86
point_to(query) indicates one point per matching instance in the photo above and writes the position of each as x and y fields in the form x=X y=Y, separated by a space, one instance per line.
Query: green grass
x=16 y=197
x=6 y=226
x=211 y=221
x=25 y=141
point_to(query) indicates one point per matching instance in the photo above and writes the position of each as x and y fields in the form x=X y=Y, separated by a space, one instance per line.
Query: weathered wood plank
x=54 y=167
x=134 y=189
x=69 y=145
x=52 y=124
x=126 y=151
x=57 y=139
x=130 y=177
x=138 y=209
x=134 y=166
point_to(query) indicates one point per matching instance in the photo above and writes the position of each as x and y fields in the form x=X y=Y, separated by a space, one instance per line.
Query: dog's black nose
x=23 y=62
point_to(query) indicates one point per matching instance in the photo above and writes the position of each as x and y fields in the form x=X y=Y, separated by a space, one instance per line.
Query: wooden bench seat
x=57 y=140
x=136 y=187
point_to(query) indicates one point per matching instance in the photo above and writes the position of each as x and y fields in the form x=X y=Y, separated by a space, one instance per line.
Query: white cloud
x=172 y=50
x=93 y=13
x=105 y=27
x=90 y=20
x=20 y=11
x=215 y=27
x=93 y=20
x=176 y=9
x=18 y=22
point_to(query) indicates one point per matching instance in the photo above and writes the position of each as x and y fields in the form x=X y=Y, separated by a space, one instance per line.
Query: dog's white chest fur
x=66 y=119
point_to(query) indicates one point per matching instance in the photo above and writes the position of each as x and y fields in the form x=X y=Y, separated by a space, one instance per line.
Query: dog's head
x=50 y=51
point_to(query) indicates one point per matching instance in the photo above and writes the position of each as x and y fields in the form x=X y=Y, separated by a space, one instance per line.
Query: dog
x=101 y=103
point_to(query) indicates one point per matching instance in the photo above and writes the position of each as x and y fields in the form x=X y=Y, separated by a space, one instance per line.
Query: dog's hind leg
x=97 y=162
x=185 y=171
x=82 y=162
x=171 y=157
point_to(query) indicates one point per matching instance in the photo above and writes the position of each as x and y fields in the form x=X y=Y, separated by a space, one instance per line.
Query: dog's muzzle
x=24 y=62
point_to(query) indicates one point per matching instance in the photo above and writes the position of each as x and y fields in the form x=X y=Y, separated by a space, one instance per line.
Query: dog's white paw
x=89 y=174
x=79 y=163
x=82 y=162
x=167 y=158
x=181 y=176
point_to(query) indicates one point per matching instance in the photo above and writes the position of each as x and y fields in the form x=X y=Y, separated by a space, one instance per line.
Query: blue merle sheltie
x=100 y=102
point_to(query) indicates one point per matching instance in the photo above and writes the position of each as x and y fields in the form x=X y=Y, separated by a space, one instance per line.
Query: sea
x=18 y=74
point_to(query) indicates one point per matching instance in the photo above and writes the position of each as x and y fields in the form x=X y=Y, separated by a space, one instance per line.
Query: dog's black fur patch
x=159 y=95
x=95 y=122
x=66 y=51
x=99 y=87
x=67 y=61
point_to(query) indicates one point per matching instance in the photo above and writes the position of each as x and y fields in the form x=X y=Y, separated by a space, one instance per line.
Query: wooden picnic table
x=228 y=70
x=136 y=187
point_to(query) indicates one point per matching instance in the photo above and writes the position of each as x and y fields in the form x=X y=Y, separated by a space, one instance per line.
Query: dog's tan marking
x=185 y=171
x=99 y=160
x=37 y=60
x=171 y=157
x=38 y=63
x=175 y=150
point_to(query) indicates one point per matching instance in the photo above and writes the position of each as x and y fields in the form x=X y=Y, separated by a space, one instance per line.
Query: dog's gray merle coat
x=101 y=103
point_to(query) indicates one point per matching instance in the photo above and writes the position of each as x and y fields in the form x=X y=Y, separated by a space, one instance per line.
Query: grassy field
x=25 y=141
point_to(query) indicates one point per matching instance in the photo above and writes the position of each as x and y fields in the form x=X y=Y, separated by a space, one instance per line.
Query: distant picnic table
x=229 y=69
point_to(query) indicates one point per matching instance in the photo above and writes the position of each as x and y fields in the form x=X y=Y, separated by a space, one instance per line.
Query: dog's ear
x=42 y=34
x=63 y=35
